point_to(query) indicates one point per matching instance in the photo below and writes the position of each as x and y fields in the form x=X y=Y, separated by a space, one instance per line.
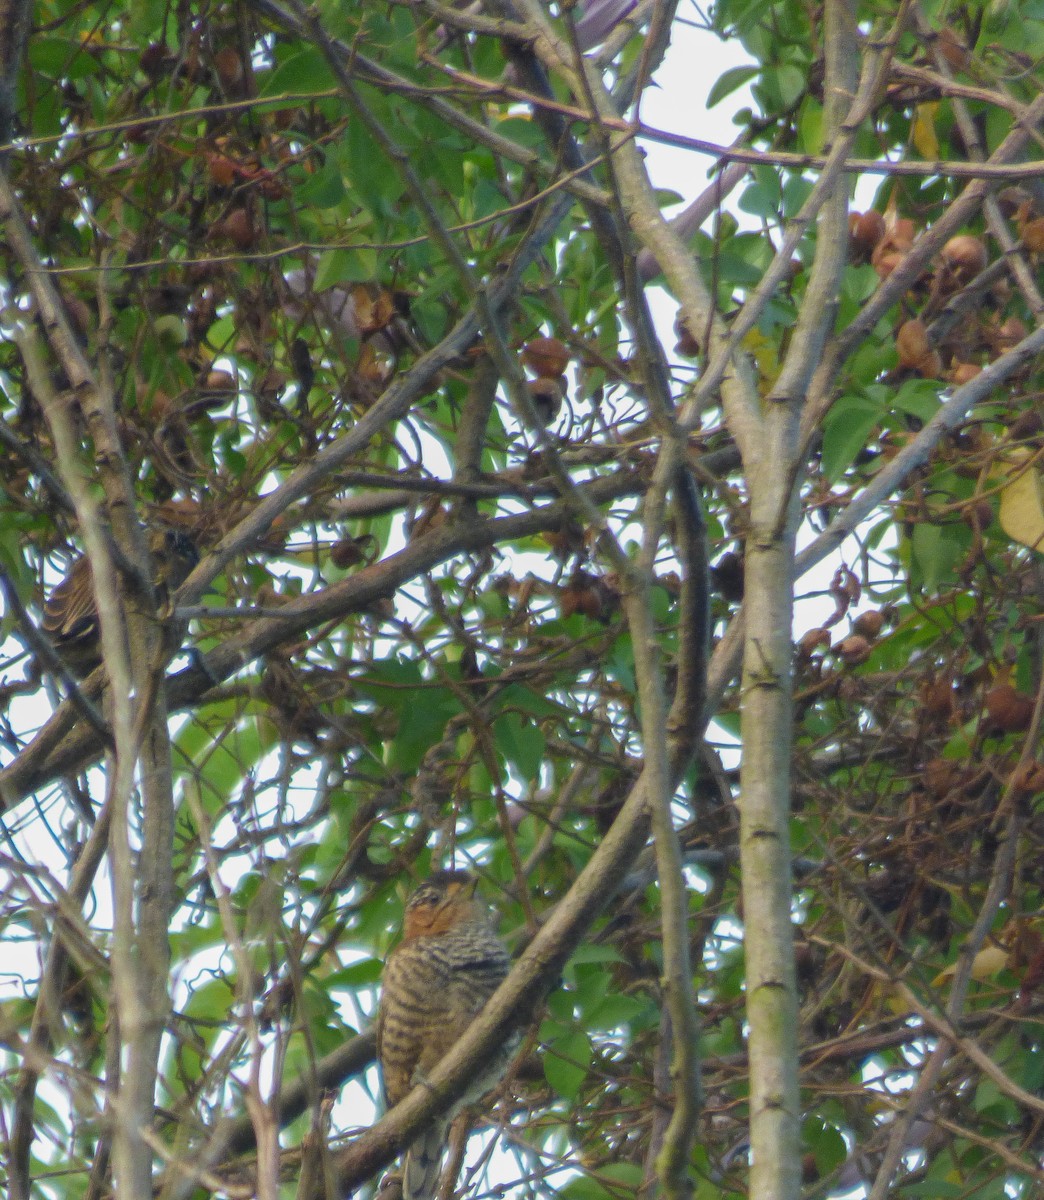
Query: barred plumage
x=70 y=616
x=435 y=982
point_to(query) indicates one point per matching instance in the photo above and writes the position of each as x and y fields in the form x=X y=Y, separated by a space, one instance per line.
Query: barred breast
x=433 y=988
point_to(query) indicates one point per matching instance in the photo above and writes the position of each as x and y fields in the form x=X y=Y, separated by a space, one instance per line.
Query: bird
x=435 y=982
x=70 y=617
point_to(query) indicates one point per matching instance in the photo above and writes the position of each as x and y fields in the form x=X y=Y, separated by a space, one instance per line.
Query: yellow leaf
x=1022 y=501
x=922 y=132
x=991 y=960
x=766 y=357
x=895 y=1002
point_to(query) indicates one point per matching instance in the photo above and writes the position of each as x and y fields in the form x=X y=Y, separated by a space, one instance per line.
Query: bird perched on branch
x=435 y=983
x=70 y=617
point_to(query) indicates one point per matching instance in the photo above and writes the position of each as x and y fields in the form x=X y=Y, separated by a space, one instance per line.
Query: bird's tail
x=422 y=1165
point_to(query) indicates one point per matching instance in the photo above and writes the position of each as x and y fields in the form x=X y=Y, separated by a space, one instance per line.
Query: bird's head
x=443 y=901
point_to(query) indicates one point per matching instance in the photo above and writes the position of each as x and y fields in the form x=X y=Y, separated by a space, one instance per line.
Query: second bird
x=70 y=617
x=435 y=983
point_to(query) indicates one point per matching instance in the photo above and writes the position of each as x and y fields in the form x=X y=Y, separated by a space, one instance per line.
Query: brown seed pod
x=962 y=372
x=869 y=624
x=222 y=169
x=566 y=541
x=156 y=60
x=891 y=249
x=578 y=600
x=229 y=67
x=351 y=551
x=937 y=698
x=952 y=50
x=853 y=650
x=238 y=227
x=940 y=776
x=1008 y=710
x=727 y=576
x=671 y=583
x=964 y=257
x=804 y=958
x=546 y=395
x=686 y=345
x=1009 y=334
x=1026 y=425
x=865 y=231
x=931 y=366
x=1015 y=200
x=383 y=608
x=268 y=386
x=1029 y=777
x=886 y=262
x=431 y=517
x=912 y=343
x=811 y=641
x=219 y=381
x=546 y=357
x=978 y=513
x=870 y=228
x=902 y=233
x=525 y=592
x=588 y=595
x=213 y=392
x=1033 y=235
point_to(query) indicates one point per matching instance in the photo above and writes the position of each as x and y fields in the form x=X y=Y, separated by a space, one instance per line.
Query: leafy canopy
x=355 y=296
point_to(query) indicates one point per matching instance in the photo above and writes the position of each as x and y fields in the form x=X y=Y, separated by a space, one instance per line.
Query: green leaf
x=935 y=1189
x=345 y=265
x=301 y=74
x=919 y=398
x=370 y=175
x=193 y=938
x=521 y=130
x=620 y=664
x=593 y=953
x=561 y=1006
x=324 y=189
x=935 y=551
x=810 y=126
x=611 y=1181
x=209 y=1002
x=59 y=59
x=567 y=1060
x=613 y=1012
x=796 y=191
x=846 y=431
x=990 y=1101
x=521 y=742
x=826 y=1143
x=729 y=82
x=221 y=762
x=780 y=87
x=364 y=973
x=762 y=198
